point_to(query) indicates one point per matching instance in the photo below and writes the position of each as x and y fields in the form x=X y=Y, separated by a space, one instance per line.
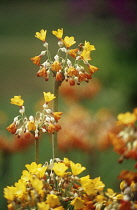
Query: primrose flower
x=85 y=55
x=41 y=35
x=53 y=200
x=17 y=101
x=88 y=46
x=78 y=203
x=58 y=33
x=60 y=169
x=76 y=168
x=69 y=41
x=48 y=97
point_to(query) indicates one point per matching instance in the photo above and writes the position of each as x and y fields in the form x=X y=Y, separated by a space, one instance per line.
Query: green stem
x=37 y=151
x=55 y=109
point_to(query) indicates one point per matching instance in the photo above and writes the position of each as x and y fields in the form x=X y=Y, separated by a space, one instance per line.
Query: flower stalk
x=37 y=151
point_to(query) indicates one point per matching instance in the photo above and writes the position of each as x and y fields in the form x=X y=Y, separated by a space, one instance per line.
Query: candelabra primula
x=125 y=141
x=67 y=63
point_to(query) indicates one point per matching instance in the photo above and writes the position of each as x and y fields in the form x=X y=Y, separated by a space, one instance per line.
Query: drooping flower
x=57 y=115
x=43 y=206
x=85 y=55
x=48 y=97
x=56 y=66
x=76 y=168
x=41 y=35
x=12 y=128
x=92 y=69
x=69 y=41
x=60 y=168
x=78 y=203
x=36 y=60
x=58 y=33
x=17 y=101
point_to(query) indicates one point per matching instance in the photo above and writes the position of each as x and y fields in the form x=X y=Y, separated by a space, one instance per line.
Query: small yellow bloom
x=58 y=33
x=36 y=169
x=43 y=206
x=36 y=60
x=126 y=118
x=85 y=55
x=76 y=168
x=88 y=46
x=9 y=193
x=37 y=185
x=17 y=101
x=41 y=35
x=60 y=168
x=66 y=161
x=98 y=184
x=52 y=200
x=26 y=176
x=78 y=203
x=48 y=96
x=87 y=185
x=69 y=41
x=110 y=193
x=20 y=189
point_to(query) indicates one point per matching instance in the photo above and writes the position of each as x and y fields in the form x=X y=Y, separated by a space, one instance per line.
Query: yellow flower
x=69 y=41
x=88 y=46
x=85 y=55
x=36 y=60
x=58 y=33
x=126 y=118
x=41 y=35
x=60 y=168
x=9 y=193
x=48 y=97
x=43 y=206
x=66 y=161
x=110 y=193
x=37 y=185
x=20 y=188
x=78 y=203
x=98 y=184
x=36 y=169
x=76 y=168
x=59 y=208
x=17 y=101
x=52 y=200
x=26 y=176
x=87 y=185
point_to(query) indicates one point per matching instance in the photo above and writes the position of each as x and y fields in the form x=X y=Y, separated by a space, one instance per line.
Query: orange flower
x=57 y=115
x=59 y=76
x=72 y=71
x=92 y=69
x=73 y=52
x=51 y=128
x=36 y=60
x=31 y=126
x=42 y=73
x=56 y=66
x=12 y=128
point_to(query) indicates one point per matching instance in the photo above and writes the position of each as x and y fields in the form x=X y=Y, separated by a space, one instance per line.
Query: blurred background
x=112 y=27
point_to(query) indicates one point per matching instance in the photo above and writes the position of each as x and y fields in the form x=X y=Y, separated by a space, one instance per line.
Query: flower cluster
x=67 y=63
x=125 y=141
x=45 y=121
x=56 y=185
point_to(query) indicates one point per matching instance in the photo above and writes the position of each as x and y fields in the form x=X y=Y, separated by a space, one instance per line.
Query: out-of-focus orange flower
x=128 y=176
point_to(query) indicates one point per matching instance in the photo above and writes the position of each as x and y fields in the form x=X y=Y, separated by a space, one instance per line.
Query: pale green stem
x=37 y=151
x=55 y=109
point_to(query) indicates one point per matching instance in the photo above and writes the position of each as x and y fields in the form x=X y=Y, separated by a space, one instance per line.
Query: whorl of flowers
x=56 y=185
x=45 y=121
x=68 y=64
x=125 y=141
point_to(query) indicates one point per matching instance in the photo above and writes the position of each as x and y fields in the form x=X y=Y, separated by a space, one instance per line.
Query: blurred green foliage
x=18 y=23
